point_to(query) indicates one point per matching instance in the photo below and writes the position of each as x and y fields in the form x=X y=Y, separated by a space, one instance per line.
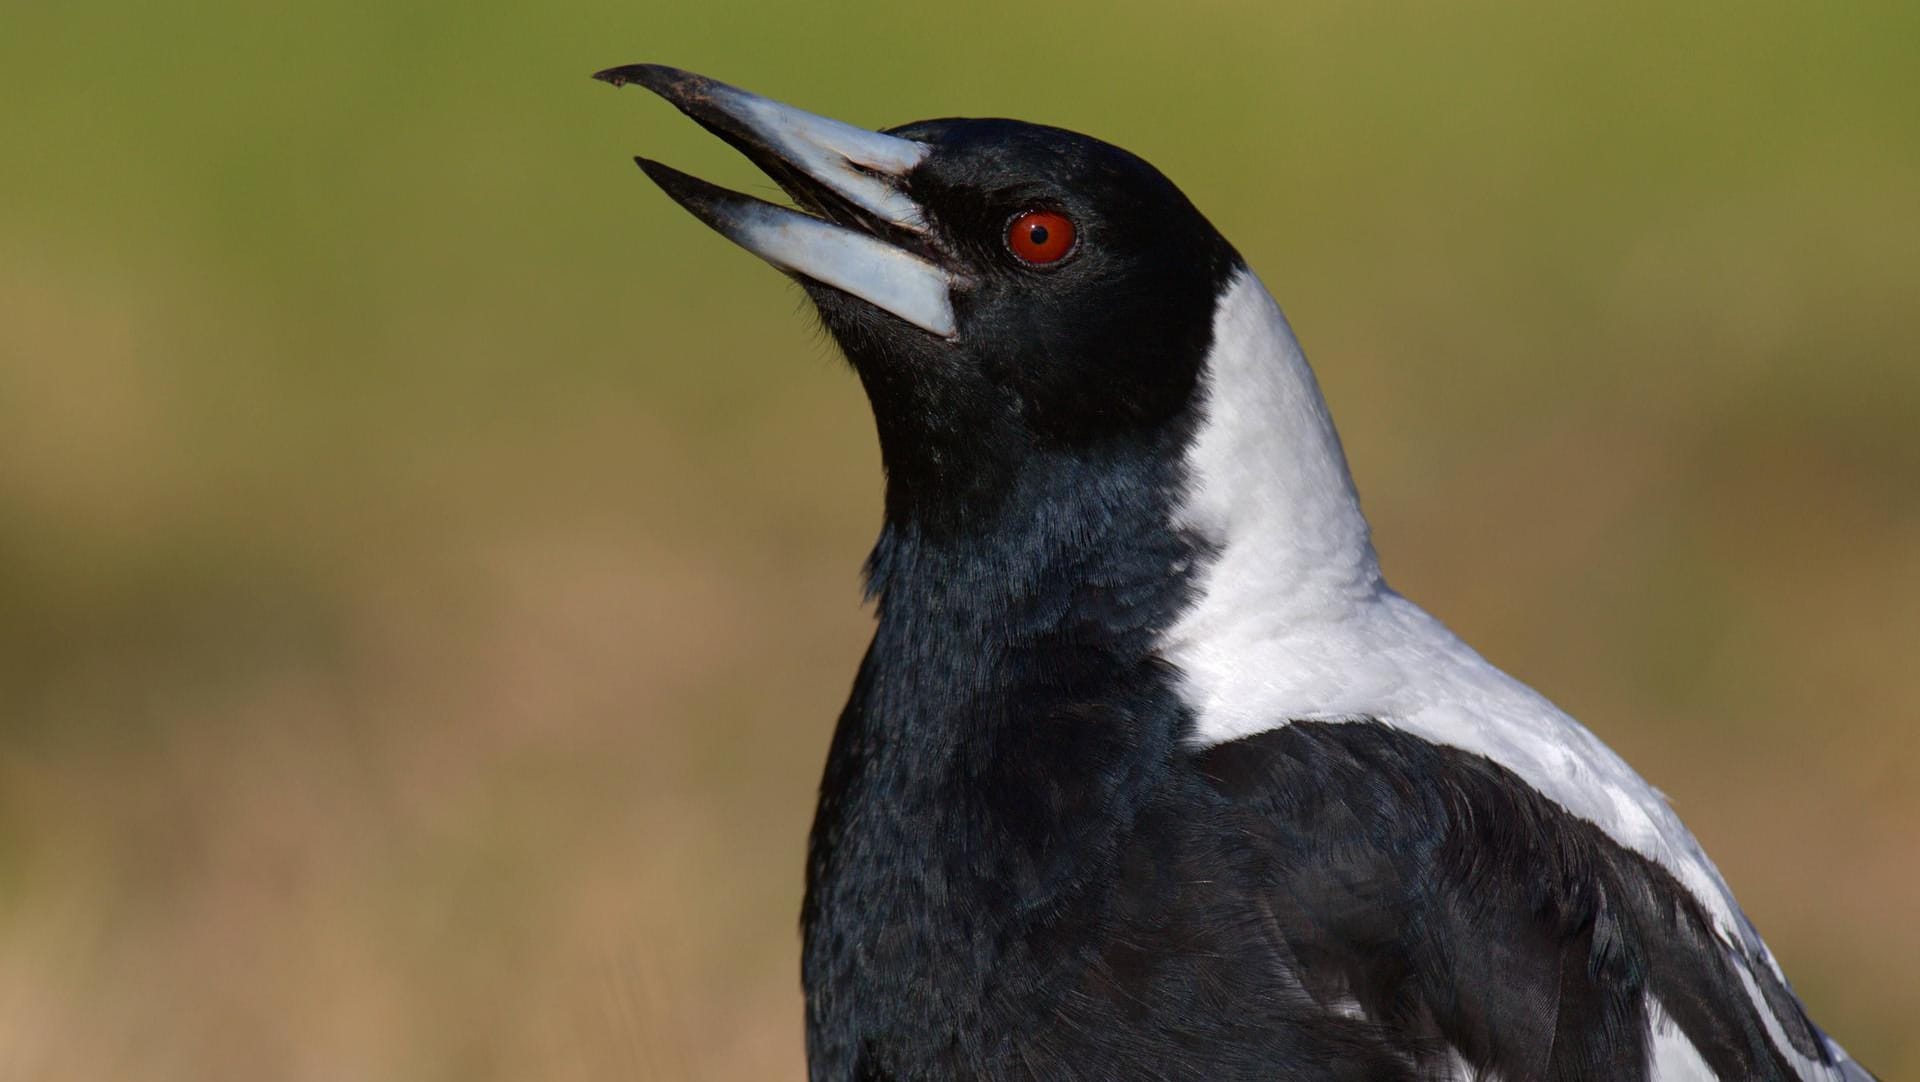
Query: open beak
x=864 y=236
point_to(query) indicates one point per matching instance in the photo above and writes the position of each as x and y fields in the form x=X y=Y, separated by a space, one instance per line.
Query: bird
x=1146 y=772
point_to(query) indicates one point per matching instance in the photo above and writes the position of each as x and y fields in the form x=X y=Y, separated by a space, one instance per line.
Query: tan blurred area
x=429 y=559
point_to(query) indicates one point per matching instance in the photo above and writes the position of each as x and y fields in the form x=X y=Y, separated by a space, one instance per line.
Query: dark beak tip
x=621 y=75
x=670 y=83
x=653 y=169
x=705 y=200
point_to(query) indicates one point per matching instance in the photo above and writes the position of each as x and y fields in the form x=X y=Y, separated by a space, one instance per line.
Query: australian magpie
x=1147 y=773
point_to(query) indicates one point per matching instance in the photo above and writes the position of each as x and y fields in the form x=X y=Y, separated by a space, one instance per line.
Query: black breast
x=1321 y=901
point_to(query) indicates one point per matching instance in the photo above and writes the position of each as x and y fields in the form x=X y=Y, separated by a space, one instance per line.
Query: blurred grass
x=395 y=493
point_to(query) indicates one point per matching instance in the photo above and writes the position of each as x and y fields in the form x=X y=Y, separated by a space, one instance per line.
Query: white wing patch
x=1670 y=1056
x=1292 y=620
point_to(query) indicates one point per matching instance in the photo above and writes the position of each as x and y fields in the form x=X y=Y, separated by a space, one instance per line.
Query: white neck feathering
x=1292 y=620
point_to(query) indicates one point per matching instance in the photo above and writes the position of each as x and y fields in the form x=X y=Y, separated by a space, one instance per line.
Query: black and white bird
x=1147 y=773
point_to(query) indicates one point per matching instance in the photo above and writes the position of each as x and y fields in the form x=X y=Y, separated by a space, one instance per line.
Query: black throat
x=1007 y=727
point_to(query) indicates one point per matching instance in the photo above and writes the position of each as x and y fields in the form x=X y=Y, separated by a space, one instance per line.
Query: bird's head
x=1005 y=290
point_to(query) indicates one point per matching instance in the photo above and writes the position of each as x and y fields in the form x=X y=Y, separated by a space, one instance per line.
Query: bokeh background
x=428 y=559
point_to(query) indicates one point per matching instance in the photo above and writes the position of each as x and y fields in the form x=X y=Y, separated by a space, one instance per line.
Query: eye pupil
x=1040 y=237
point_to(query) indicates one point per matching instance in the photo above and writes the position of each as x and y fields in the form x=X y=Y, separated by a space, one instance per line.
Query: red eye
x=1040 y=236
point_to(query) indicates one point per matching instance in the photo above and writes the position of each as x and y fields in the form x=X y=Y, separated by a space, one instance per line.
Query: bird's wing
x=1431 y=890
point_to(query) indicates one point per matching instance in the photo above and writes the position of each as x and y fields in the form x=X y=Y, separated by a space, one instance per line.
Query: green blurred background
x=428 y=559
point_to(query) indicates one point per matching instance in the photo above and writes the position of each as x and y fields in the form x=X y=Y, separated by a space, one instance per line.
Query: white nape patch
x=1671 y=1057
x=1293 y=622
